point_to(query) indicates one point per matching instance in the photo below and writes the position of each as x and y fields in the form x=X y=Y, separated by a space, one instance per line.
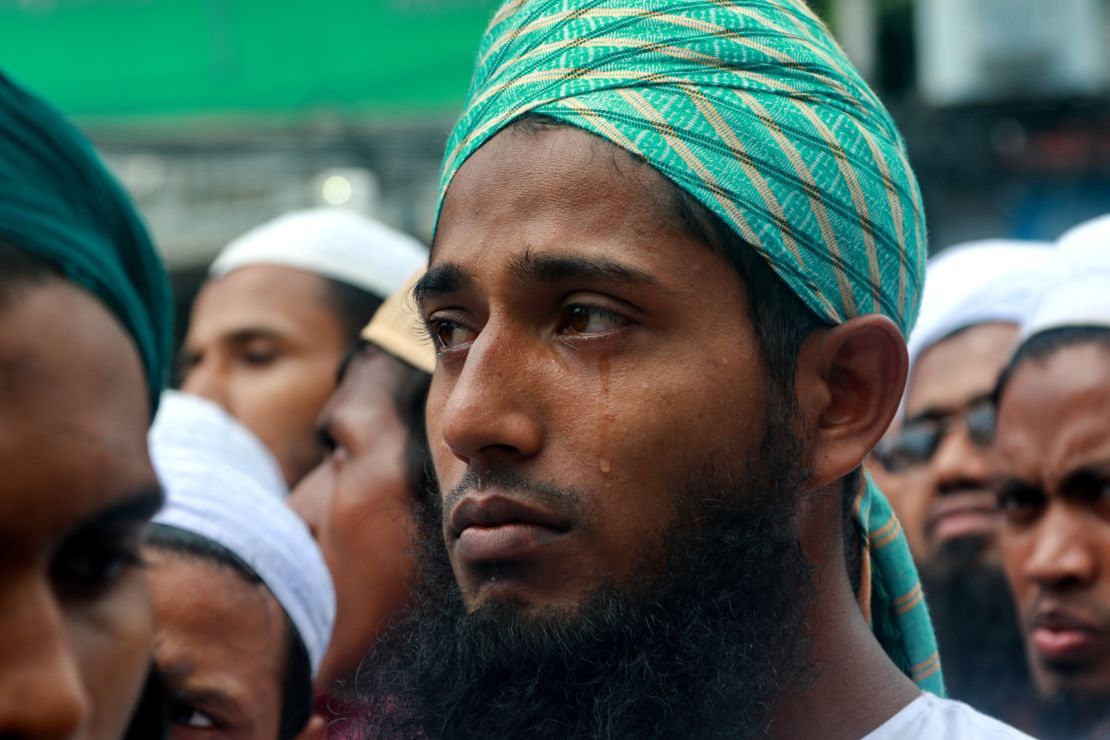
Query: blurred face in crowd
x=264 y=343
x=1053 y=448
x=75 y=623
x=220 y=646
x=940 y=459
x=358 y=504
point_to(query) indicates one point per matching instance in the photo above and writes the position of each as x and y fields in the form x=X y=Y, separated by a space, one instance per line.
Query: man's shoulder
x=930 y=716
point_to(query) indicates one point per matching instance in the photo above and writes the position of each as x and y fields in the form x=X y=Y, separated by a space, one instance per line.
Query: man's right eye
x=89 y=567
x=449 y=335
x=1021 y=504
x=259 y=355
x=184 y=715
x=186 y=361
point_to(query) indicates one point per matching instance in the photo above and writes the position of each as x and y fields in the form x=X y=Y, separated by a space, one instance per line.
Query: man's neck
x=855 y=687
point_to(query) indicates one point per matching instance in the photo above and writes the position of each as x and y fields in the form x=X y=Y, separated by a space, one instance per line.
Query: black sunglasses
x=919 y=440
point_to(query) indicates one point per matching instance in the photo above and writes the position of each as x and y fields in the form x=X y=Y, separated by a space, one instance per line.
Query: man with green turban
x=678 y=249
x=84 y=342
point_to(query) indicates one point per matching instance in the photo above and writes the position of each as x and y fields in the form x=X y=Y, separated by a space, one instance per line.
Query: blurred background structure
x=220 y=114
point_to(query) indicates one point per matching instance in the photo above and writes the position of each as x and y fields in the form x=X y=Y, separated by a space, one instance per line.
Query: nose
x=1062 y=554
x=207 y=379
x=492 y=406
x=959 y=465
x=41 y=692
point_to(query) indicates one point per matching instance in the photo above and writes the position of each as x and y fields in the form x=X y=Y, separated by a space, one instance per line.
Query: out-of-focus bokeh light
x=336 y=190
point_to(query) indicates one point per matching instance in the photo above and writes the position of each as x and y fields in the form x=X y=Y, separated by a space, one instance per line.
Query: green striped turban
x=59 y=202
x=752 y=109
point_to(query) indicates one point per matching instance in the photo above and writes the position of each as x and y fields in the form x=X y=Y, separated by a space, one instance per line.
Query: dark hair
x=296 y=682
x=20 y=269
x=150 y=720
x=1038 y=347
x=353 y=307
x=410 y=395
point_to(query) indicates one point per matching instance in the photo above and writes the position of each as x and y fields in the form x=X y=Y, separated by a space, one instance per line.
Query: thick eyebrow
x=1084 y=474
x=139 y=506
x=238 y=337
x=175 y=677
x=1008 y=486
x=439 y=281
x=552 y=268
x=250 y=333
x=529 y=267
x=933 y=413
x=936 y=413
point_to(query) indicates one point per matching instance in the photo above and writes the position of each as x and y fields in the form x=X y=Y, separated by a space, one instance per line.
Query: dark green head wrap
x=751 y=108
x=59 y=202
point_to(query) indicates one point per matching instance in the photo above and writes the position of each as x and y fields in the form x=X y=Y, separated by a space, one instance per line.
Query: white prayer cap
x=331 y=242
x=398 y=329
x=212 y=493
x=980 y=282
x=200 y=430
x=1076 y=288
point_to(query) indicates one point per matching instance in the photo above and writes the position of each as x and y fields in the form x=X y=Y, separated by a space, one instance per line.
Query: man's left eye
x=186 y=716
x=581 y=319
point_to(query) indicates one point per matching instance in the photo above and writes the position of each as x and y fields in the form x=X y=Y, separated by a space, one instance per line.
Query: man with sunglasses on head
x=974 y=296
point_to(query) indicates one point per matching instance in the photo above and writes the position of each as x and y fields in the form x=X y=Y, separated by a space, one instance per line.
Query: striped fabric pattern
x=749 y=106
x=753 y=109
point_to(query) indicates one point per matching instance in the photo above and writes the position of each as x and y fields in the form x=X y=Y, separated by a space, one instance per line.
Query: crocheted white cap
x=214 y=490
x=332 y=242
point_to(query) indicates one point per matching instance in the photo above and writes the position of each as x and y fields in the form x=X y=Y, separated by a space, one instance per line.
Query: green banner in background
x=133 y=62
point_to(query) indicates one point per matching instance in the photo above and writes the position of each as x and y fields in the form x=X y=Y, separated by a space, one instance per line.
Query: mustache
x=559 y=498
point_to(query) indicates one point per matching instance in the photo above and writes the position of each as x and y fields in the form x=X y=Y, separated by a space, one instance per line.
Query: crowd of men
x=653 y=441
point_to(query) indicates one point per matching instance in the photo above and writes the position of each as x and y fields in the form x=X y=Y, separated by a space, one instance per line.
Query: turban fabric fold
x=752 y=109
x=59 y=202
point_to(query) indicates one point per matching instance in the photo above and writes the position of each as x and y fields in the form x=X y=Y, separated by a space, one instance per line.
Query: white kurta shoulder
x=929 y=717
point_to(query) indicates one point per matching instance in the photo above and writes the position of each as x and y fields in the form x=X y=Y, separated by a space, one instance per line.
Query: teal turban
x=58 y=201
x=752 y=109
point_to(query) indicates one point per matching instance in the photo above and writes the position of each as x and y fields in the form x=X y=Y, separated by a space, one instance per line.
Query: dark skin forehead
x=1055 y=416
x=73 y=409
x=367 y=385
x=266 y=301
x=656 y=201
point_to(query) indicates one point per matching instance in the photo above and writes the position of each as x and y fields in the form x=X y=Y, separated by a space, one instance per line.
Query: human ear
x=314 y=730
x=849 y=383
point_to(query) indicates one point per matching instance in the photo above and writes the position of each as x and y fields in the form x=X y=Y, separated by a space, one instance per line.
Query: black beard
x=978 y=632
x=702 y=650
x=1071 y=716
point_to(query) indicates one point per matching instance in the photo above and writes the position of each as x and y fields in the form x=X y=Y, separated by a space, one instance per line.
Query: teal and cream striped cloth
x=752 y=108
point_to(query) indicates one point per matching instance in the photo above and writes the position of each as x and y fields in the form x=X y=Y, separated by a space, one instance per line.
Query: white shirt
x=929 y=716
